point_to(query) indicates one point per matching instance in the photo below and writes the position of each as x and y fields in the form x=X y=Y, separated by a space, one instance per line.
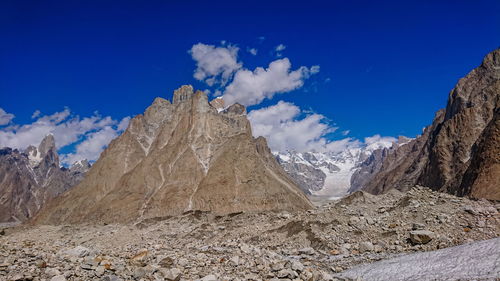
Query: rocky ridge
x=29 y=179
x=458 y=153
x=319 y=244
x=178 y=157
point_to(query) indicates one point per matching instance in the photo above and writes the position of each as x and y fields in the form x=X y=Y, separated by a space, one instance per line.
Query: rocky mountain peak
x=180 y=157
x=48 y=143
x=182 y=94
x=218 y=103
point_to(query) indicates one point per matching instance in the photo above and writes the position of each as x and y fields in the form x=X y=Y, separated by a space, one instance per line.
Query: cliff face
x=175 y=158
x=29 y=179
x=458 y=153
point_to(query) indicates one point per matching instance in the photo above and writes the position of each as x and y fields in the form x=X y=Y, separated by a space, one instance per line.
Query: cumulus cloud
x=95 y=143
x=214 y=64
x=5 y=117
x=67 y=130
x=252 y=87
x=287 y=127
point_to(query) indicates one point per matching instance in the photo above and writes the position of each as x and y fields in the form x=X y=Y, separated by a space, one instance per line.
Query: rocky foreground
x=320 y=244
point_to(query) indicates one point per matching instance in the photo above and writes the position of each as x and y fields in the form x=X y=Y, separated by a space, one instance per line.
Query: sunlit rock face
x=177 y=157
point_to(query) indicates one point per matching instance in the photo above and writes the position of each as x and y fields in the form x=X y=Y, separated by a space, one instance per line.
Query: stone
x=234 y=261
x=297 y=266
x=58 y=278
x=18 y=277
x=366 y=247
x=277 y=266
x=99 y=271
x=172 y=274
x=307 y=251
x=354 y=220
x=209 y=277
x=421 y=236
x=111 y=278
x=285 y=273
x=50 y=272
x=78 y=251
x=245 y=248
x=40 y=263
x=417 y=226
x=140 y=257
x=166 y=262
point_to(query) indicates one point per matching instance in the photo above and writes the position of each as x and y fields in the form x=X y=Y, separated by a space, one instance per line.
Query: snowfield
x=473 y=261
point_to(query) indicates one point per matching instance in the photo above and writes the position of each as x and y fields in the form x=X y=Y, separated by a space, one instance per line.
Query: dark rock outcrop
x=458 y=153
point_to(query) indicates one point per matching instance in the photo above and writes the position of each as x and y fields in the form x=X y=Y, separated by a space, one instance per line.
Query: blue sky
x=385 y=66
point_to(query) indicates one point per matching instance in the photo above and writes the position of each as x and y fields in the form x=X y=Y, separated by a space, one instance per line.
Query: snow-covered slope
x=326 y=174
x=474 y=261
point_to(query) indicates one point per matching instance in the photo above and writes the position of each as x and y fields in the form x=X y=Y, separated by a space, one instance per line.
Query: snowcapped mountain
x=326 y=174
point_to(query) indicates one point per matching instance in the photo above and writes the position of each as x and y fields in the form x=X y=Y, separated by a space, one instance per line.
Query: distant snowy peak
x=327 y=174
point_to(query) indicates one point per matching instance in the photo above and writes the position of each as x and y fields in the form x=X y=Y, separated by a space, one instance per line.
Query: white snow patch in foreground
x=473 y=261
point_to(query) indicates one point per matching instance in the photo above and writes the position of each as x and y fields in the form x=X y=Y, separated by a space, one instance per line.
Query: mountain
x=178 y=157
x=373 y=163
x=458 y=153
x=29 y=179
x=326 y=173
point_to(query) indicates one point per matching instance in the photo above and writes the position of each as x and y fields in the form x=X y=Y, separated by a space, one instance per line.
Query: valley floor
x=326 y=243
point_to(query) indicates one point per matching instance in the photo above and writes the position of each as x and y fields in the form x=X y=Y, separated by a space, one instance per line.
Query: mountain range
x=328 y=174
x=191 y=154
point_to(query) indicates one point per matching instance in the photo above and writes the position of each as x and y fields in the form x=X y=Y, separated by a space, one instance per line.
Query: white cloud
x=280 y=48
x=5 y=117
x=67 y=130
x=285 y=128
x=252 y=87
x=214 y=65
x=377 y=141
x=252 y=51
x=314 y=69
x=94 y=144
x=122 y=126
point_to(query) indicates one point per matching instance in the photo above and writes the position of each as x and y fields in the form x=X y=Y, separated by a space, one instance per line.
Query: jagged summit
x=178 y=157
x=31 y=178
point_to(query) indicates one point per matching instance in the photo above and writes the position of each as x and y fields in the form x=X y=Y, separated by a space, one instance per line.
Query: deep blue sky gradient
x=391 y=63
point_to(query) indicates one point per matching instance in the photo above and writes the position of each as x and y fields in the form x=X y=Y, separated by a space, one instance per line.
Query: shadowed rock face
x=29 y=179
x=459 y=152
x=176 y=158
